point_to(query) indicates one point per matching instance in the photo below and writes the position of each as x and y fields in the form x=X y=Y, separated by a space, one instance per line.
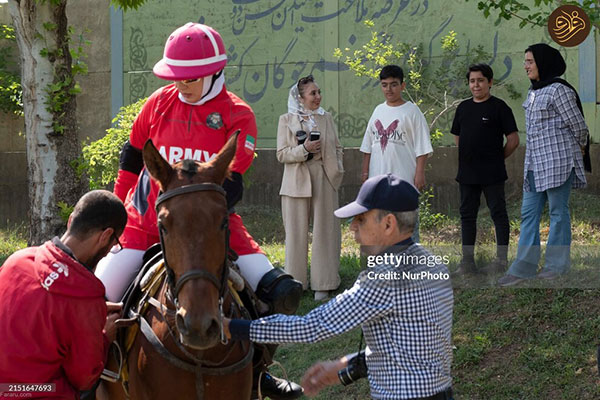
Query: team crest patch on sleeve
x=214 y=120
x=250 y=143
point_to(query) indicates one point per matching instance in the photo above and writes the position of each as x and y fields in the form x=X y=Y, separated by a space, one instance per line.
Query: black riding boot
x=280 y=291
x=282 y=294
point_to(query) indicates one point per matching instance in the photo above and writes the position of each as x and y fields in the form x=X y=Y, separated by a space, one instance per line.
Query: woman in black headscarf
x=557 y=137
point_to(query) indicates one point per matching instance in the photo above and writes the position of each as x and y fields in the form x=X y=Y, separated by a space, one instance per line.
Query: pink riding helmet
x=192 y=51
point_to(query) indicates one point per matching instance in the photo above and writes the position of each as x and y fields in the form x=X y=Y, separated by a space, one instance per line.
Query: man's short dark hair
x=97 y=210
x=391 y=71
x=485 y=70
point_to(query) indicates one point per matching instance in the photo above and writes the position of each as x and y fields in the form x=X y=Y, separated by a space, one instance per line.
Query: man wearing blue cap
x=402 y=301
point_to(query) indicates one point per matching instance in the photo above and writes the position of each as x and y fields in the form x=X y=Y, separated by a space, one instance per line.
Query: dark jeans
x=469 y=206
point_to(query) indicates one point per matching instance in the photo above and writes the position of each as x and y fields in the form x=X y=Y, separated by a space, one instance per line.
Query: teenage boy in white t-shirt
x=397 y=137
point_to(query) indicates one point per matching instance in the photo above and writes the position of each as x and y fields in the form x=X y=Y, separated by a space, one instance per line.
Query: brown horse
x=186 y=356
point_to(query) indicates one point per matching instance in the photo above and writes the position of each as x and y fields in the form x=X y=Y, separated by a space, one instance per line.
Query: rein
x=197 y=366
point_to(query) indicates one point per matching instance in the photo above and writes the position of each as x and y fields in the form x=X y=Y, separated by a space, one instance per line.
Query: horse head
x=193 y=226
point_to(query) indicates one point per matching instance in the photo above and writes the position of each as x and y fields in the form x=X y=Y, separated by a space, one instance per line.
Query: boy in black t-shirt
x=479 y=126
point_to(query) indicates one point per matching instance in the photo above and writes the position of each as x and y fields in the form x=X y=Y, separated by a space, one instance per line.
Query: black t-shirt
x=481 y=128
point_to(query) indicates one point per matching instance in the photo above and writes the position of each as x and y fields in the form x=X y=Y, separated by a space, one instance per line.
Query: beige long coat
x=309 y=191
x=296 y=178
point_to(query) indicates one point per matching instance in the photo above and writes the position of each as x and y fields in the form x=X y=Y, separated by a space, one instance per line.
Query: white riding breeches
x=253 y=267
x=117 y=270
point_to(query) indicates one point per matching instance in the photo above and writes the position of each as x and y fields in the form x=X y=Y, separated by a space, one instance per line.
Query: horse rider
x=54 y=327
x=192 y=118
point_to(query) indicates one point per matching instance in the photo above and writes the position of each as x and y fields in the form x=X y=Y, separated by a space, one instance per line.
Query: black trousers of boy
x=470 y=196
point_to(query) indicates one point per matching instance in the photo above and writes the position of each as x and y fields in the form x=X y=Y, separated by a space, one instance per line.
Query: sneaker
x=321 y=295
x=547 y=275
x=279 y=389
x=510 y=280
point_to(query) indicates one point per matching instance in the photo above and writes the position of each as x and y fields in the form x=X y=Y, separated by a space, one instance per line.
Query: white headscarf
x=295 y=106
x=208 y=92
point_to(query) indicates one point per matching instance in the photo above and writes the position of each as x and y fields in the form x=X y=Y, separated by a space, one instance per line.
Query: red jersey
x=184 y=131
x=53 y=315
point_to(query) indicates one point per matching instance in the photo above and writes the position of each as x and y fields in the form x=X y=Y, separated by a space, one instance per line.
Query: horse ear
x=158 y=167
x=220 y=164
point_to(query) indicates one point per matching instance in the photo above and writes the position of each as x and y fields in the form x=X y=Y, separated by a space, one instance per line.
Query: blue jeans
x=558 y=250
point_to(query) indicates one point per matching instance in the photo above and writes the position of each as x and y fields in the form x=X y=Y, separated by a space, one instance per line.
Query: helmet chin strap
x=208 y=84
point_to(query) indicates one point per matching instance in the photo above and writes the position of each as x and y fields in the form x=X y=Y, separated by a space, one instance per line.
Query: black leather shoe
x=278 y=389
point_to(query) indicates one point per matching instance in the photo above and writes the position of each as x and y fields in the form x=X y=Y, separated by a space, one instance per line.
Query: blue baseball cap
x=383 y=192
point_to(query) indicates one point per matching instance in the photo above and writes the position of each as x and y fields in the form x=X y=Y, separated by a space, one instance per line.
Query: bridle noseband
x=175 y=286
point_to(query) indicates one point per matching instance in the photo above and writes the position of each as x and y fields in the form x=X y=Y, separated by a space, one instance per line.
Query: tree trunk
x=51 y=132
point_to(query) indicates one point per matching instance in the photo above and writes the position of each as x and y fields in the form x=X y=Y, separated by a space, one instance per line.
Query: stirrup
x=260 y=375
x=112 y=376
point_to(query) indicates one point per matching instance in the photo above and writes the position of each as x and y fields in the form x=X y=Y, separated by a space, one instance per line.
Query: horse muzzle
x=199 y=333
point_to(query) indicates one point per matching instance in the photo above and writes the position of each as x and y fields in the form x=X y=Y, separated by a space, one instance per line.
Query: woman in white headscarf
x=309 y=148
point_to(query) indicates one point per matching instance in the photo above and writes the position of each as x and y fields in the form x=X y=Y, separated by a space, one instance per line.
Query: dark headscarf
x=551 y=64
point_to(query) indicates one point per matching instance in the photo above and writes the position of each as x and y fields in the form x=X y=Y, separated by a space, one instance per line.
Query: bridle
x=195 y=365
x=175 y=286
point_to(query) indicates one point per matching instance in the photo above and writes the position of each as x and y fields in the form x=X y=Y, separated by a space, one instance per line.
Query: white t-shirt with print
x=395 y=137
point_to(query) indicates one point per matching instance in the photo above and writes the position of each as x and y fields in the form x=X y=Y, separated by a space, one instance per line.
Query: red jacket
x=52 y=316
x=183 y=131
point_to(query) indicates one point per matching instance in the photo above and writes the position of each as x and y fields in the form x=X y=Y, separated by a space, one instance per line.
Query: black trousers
x=470 y=196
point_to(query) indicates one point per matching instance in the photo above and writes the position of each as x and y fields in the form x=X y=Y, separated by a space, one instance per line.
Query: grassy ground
x=523 y=343
x=10 y=240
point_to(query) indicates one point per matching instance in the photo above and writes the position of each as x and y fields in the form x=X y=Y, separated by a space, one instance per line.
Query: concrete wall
x=89 y=18
x=266 y=176
x=270 y=44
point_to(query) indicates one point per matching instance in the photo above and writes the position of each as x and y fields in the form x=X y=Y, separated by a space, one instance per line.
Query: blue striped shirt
x=406 y=318
x=556 y=131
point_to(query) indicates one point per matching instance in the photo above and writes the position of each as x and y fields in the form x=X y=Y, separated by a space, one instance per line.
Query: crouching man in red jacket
x=53 y=315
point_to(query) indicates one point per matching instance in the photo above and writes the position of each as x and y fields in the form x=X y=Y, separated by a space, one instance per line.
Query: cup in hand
x=315 y=135
x=301 y=136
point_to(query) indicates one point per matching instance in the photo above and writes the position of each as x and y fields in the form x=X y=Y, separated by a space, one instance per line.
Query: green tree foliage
x=127 y=4
x=60 y=92
x=50 y=61
x=538 y=16
x=100 y=159
x=10 y=81
x=436 y=86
